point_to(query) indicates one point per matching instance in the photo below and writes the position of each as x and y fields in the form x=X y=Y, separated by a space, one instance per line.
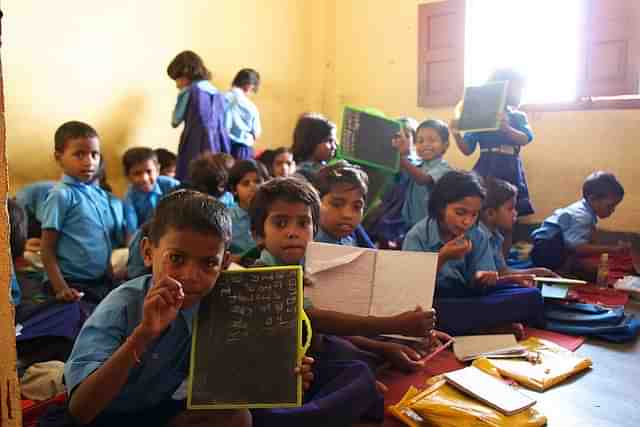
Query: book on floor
x=475 y=346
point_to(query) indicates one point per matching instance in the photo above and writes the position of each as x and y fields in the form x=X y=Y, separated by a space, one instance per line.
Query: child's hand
x=416 y=323
x=544 y=272
x=453 y=126
x=402 y=144
x=68 y=295
x=524 y=280
x=402 y=357
x=33 y=245
x=161 y=306
x=436 y=339
x=304 y=370
x=486 y=278
x=455 y=248
x=504 y=122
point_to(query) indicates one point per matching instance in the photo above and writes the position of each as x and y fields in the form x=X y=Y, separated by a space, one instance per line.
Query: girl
x=242 y=119
x=202 y=109
x=468 y=298
x=314 y=143
x=279 y=162
x=244 y=178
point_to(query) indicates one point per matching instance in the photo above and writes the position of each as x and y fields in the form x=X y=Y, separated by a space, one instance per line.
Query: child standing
x=244 y=178
x=467 y=296
x=31 y=198
x=146 y=185
x=167 y=161
x=201 y=107
x=242 y=119
x=566 y=237
x=314 y=143
x=343 y=191
x=77 y=220
x=132 y=354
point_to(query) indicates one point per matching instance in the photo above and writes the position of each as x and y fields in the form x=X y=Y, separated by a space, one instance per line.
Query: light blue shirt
x=324 y=237
x=227 y=199
x=456 y=277
x=119 y=235
x=576 y=223
x=241 y=240
x=82 y=216
x=32 y=197
x=241 y=118
x=415 y=204
x=496 y=241
x=15 y=291
x=135 y=262
x=164 y=365
x=183 y=100
x=140 y=205
x=517 y=120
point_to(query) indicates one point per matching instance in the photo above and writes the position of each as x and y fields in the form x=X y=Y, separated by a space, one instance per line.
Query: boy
x=77 y=220
x=147 y=187
x=132 y=354
x=566 y=237
x=167 y=162
x=242 y=118
x=343 y=190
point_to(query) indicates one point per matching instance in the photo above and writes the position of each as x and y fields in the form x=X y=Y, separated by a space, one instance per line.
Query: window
x=576 y=54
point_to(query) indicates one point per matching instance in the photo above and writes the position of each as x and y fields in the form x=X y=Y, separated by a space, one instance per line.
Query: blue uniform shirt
x=324 y=237
x=82 y=216
x=242 y=118
x=241 y=240
x=135 y=262
x=455 y=278
x=164 y=365
x=32 y=197
x=415 y=204
x=576 y=223
x=140 y=205
x=183 y=100
x=517 y=120
x=496 y=240
x=227 y=199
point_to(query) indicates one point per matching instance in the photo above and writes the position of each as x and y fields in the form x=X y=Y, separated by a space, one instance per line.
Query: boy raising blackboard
x=131 y=357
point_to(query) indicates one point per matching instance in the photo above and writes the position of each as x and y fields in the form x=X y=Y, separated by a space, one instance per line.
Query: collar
x=432 y=234
x=493 y=234
x=68 y=179
x=431 y=163
x=267 y=258
x=589 y=209
x=324 y=237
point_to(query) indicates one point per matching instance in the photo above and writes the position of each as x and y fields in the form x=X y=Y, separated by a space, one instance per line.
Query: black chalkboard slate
x=247 y=341
x=481 y=107
x=366 y=139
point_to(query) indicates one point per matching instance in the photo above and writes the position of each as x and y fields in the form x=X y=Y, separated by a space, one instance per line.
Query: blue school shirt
x=164 y=365
x=135 y=261
x=32 y=197
x=140 y=205
x=241 y=118
x=121 y=230
x=576 y=223
x=415 y=204
x=82 y=216
x=455 y=278
x=517 y=120
x=227 y=199
x=241 y=240
x=15 y=293
x=182 y=103
x=324 y=237
x=496 y=240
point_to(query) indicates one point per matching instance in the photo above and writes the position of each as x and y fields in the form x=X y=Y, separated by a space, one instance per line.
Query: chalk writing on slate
x=246 y=341
x=366 y=139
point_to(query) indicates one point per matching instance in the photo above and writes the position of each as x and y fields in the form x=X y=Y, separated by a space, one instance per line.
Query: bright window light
x=540 y=38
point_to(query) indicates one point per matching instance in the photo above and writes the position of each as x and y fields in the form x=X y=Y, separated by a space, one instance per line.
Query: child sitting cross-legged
x=132 y=354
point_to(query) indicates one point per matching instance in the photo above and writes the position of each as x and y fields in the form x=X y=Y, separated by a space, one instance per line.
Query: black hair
x=224 y=159
x=499 y=192
x=409 y=124
x=268 y=157
x=247 y=76
x=207 y=174
x=287 y=189
x=136 y=155
x=18 y=228
x=341 y=172
x=72 y=130
x=189 y=65
x=311 y=130
x=241 y=168
x=600 y=185
x=452 y=187
x=166 y=158
x=439 y=126
x=193 y=211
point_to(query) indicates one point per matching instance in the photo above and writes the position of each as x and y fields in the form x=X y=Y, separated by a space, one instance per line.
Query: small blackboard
x=366 y=139
x=247 y=341
x=481 y=107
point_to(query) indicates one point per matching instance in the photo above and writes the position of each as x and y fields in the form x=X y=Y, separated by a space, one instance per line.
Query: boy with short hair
x=132 y=354
x=567 y=235
x=167 y=161
x=146 y=187
x=242 y=118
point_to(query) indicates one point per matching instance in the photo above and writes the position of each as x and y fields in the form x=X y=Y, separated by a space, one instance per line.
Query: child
x=432 y=141
x=167 y=162
x=467 y=298
x=244 y=178
x=226 y=161
x=17 y=241
x=279 y=162
x=567 y=236
x=208 y=176
x=314 y=143
x=498 y=214
x=201 y=107
x=77 y=220
x=343 y=191
x=500 y=150
x=242 y=119
x=132 y=354
x=146 y=186
x=31 y=198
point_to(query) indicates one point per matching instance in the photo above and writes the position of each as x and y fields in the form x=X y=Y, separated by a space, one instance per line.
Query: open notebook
x=474 y=346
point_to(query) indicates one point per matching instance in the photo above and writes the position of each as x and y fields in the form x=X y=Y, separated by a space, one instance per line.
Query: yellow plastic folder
x=554 y=365
x=247 y=341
